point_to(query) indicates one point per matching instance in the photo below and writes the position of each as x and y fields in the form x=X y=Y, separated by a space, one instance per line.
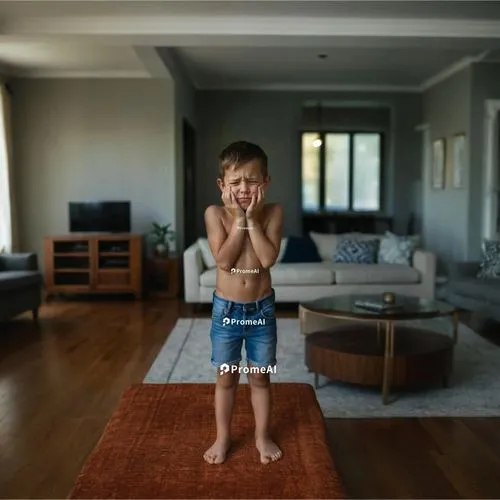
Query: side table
x=163 y=277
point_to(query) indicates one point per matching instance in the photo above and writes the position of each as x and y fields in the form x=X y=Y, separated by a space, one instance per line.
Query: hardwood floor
x=60 y=382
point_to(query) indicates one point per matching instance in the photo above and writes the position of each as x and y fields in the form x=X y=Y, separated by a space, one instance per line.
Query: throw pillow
x=300 y=249
x=357 y=251
x=397 y=249
x=490 y=264
x=206 y=253
x=325 y=243
x=282 y=249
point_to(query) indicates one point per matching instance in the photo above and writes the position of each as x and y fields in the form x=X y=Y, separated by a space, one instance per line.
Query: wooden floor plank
x=394 y=455
x=61 y=381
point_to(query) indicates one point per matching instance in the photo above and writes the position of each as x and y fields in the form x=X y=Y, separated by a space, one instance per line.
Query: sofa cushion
x=357 y=251
x=326 y=244
x=397 y=249
x=300 y=250
x=206 y=253
x=283 y=244
x=306 y=273
x=484 y=289
x=13 y=280
x=346 y=273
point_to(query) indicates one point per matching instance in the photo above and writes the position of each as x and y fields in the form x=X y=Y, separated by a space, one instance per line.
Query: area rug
x=474 y=386
x=153 y=447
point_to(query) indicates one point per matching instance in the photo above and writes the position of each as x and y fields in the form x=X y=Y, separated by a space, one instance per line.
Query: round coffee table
x=367 y=348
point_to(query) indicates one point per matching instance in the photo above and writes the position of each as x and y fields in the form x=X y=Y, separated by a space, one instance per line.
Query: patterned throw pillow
x=490 y=265
x=357 y=251
x=397 y=249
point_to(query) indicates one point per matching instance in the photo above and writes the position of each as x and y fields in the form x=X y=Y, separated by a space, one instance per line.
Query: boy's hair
x=241 y=152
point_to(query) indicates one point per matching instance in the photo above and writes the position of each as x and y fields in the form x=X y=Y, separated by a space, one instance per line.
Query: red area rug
x=153 y=447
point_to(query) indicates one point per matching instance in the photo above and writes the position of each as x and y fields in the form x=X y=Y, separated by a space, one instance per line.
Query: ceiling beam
x=152 y=62
x=250 y=26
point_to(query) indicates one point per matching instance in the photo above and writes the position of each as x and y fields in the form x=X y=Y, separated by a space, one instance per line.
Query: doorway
x=189 y=167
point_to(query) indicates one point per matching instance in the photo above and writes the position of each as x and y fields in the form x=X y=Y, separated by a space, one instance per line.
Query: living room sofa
x=465 y=290
x=296 y=282
x=20 y=284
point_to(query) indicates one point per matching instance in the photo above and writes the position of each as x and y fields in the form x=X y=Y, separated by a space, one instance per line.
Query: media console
x=93 y=263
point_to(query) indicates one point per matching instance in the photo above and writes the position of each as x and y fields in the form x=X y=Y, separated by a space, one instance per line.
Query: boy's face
x=244 y=182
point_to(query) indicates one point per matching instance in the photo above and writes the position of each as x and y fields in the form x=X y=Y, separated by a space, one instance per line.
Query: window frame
x=322 y=170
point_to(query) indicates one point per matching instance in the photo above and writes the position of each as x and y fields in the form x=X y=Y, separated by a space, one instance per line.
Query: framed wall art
x=438 y=163
x=458 y=161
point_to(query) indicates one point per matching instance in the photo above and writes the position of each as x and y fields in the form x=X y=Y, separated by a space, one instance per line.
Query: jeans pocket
x=219 y=311
x=268 y=311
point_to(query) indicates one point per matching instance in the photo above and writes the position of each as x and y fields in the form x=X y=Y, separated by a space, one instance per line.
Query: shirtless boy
x=244 y=236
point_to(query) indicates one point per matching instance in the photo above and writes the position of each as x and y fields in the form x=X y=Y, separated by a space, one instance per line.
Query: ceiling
x=402 y=45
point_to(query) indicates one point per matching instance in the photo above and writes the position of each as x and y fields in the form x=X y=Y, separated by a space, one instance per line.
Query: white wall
x=92 y=140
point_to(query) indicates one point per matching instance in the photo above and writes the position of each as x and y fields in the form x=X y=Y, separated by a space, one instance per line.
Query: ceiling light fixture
x=322 y=56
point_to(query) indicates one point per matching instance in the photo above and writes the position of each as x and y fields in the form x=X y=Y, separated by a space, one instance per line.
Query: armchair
x=20 y=285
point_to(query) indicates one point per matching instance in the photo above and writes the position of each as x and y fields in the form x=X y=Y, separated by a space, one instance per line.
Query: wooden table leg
x=455 y=326
x=388 y=360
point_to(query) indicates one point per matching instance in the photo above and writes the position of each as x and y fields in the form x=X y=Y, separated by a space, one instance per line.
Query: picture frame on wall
x=438 y=163
x=458 y=161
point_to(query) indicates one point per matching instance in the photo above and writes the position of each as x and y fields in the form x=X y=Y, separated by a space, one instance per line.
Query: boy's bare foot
x=216 y=454
x=268 y=449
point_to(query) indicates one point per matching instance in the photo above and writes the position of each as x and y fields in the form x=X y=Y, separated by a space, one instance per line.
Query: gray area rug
x=474 y=390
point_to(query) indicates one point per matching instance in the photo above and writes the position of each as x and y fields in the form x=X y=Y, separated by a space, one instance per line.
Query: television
x=99 y=217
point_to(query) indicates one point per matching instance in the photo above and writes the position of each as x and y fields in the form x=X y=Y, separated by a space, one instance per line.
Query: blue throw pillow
x=300 y=249
x=357 y=251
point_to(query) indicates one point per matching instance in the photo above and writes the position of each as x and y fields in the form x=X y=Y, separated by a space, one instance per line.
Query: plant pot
x=161 y=250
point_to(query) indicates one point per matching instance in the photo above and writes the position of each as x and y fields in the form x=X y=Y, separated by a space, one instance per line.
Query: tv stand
x=93 y=263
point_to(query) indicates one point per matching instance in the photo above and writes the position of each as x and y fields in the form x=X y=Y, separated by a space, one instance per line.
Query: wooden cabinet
x=163 y=277
x=110 y=263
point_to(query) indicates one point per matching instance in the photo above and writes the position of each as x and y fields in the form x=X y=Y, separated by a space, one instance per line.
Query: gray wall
x=485 y=85
x=92 y=140
x=453 y=217
x=446 y=212
x=184 y=109
x=273 y=120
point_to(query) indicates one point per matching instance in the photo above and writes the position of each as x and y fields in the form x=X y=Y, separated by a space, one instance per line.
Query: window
x=5 y=195
x=342 y=172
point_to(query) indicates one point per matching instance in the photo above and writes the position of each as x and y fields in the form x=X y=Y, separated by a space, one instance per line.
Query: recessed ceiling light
x=322 y=56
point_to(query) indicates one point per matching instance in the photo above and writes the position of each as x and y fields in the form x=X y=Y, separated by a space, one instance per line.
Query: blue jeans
x=252 y=322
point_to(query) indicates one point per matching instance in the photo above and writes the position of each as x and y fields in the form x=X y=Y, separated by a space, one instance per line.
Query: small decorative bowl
x=389 y=298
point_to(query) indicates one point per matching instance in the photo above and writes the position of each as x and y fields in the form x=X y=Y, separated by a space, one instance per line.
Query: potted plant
x=159 y=235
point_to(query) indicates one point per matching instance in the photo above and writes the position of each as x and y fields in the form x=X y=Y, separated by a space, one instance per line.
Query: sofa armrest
x=193 y=269
x=464 y=269
x=27 y=261
x=425 y=263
